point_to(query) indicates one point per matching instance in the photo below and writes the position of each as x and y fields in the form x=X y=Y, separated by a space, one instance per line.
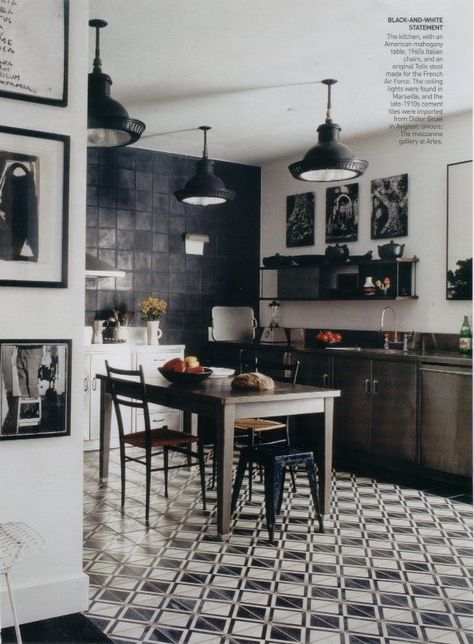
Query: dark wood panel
x=394 y=410
x=315 y=370
x=353 y=410
x=446 y=420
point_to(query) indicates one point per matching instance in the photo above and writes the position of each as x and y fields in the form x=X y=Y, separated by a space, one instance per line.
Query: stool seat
x=275 y=459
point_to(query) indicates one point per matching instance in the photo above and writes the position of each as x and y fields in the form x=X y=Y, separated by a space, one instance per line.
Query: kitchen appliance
x=233 y=324
x=274 y=333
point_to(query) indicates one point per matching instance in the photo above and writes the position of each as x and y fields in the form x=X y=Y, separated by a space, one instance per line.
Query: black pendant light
x=108 y=122
x=328 y=160
x=204 y=189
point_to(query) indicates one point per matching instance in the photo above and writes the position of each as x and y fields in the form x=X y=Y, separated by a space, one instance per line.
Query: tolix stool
x=275 y=460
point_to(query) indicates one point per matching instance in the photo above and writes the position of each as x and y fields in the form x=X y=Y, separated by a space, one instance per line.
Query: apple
x=197 y=369
x=176 y=364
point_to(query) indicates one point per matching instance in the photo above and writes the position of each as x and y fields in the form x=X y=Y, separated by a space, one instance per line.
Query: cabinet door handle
x=157 y=420
x=367 y=386
x=375 y=387
x=325 y=380
x=86 y=384
x=94 y=384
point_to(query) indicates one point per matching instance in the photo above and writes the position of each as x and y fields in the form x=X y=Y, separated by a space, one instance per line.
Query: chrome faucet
x=386 y=342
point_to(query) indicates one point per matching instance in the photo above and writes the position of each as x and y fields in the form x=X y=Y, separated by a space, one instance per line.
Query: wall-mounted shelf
x=344 y=281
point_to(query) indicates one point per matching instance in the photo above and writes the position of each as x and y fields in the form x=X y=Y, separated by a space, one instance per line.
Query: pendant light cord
x=204 y=128
x=328 y=82
x=97 y=24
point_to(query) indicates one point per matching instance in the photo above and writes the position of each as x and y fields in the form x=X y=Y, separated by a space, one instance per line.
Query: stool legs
x=239 y=477
x=313 y=486
x=12 y=604
x=274 y=477
x=275 y=470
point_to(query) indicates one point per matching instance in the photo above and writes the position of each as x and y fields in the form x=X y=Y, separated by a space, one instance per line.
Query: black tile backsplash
x=135 y=223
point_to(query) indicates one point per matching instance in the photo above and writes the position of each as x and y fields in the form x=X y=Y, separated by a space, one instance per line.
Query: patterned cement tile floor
x=394 y=565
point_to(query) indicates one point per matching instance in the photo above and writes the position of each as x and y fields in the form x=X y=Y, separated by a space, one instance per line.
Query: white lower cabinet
x=125 y=356
x=94 y=363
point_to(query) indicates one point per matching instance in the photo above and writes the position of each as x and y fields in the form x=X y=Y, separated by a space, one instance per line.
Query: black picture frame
x=300 y=219
x=459 y=231
x=34 y=199
x=35 y=389
x=21 y=64
x=342 y=213
x=389 y=197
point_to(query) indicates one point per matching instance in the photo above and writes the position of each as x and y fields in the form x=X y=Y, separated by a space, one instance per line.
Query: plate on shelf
x=221 y=372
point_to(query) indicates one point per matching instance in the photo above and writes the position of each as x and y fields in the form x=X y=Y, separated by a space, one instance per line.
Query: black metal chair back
x=127 y=388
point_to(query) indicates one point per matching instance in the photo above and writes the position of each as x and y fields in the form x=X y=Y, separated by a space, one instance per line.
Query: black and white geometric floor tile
x=394 y=565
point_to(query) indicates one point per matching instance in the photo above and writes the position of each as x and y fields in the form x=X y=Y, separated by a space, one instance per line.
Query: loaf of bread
x=253 y=381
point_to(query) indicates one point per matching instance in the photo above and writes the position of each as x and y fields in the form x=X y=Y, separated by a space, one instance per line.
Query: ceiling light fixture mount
x=329 y=159
x=108 y=122
x=204 y=189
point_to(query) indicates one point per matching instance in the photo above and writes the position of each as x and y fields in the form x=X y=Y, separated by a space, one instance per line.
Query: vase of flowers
x=152 y=308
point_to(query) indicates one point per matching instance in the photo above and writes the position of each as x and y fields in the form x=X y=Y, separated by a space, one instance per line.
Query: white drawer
x=159 y=419
x=152 y=360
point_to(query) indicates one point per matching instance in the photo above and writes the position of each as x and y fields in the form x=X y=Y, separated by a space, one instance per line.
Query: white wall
x=41 y=479
x=426 y=168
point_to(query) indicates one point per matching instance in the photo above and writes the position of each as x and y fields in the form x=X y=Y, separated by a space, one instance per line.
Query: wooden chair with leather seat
x=128 y=389
x=266 y=430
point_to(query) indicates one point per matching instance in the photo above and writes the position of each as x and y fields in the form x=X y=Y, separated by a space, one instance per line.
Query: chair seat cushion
x=160 y=437
x=258 y=424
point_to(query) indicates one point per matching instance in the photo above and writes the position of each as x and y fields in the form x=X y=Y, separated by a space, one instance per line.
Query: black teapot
x=337 y=253
x=391 y=250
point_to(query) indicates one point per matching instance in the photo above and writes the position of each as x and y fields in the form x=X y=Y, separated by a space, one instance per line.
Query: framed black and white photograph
x=389 y=207
x=34 y=180
x=35 y=388
x=342 y=213
x=34 y=60
x=300 y=219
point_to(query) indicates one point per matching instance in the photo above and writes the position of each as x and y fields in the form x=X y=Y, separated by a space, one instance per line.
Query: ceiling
x=251 y=69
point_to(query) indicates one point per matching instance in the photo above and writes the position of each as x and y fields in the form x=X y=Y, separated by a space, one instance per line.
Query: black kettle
x=391 y=250
x=337 y=253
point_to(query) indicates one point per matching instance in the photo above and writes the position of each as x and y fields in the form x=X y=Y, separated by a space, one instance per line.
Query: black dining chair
x=122 y=385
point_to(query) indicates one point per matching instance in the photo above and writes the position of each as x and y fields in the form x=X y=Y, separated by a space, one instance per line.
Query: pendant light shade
x=108 y=122
x=204 y=189
x=329 y=159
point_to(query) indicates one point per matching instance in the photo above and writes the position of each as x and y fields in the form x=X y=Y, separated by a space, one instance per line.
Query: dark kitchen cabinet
x=446 y=419
x=394 y=410
x=315 y=370
x=377 y=410
x=352 y=413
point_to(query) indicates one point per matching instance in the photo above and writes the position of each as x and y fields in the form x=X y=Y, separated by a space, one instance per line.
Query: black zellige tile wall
x=135 y=223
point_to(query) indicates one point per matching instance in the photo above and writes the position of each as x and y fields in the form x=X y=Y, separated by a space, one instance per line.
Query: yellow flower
x=152 y=308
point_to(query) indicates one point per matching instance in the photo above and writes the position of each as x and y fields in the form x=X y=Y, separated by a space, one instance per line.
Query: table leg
x=104 y=433
x=325 y=458
x=225 y=449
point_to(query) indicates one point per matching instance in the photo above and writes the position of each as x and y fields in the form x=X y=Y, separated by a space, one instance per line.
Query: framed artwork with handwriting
x=34 y=50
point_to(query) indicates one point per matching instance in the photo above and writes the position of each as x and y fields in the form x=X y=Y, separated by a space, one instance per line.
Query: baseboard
x=44 y=601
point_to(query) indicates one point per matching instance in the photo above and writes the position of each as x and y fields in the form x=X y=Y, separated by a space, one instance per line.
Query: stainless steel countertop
x=430 y=357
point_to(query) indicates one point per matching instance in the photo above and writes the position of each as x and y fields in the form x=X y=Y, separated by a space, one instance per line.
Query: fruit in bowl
x=329 y=337
x=187 y=371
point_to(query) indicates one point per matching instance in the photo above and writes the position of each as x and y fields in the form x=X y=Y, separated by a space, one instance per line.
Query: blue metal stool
x=275 y=459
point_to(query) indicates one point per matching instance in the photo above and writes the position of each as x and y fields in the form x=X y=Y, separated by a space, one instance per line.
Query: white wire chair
x=17 y=541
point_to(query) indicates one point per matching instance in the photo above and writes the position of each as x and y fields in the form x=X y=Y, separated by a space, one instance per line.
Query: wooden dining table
x=214 y=398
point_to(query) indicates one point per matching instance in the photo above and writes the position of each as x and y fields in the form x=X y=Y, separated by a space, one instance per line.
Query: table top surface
x=219 y=389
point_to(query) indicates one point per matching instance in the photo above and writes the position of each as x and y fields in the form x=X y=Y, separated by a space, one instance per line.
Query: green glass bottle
x=465 y=337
